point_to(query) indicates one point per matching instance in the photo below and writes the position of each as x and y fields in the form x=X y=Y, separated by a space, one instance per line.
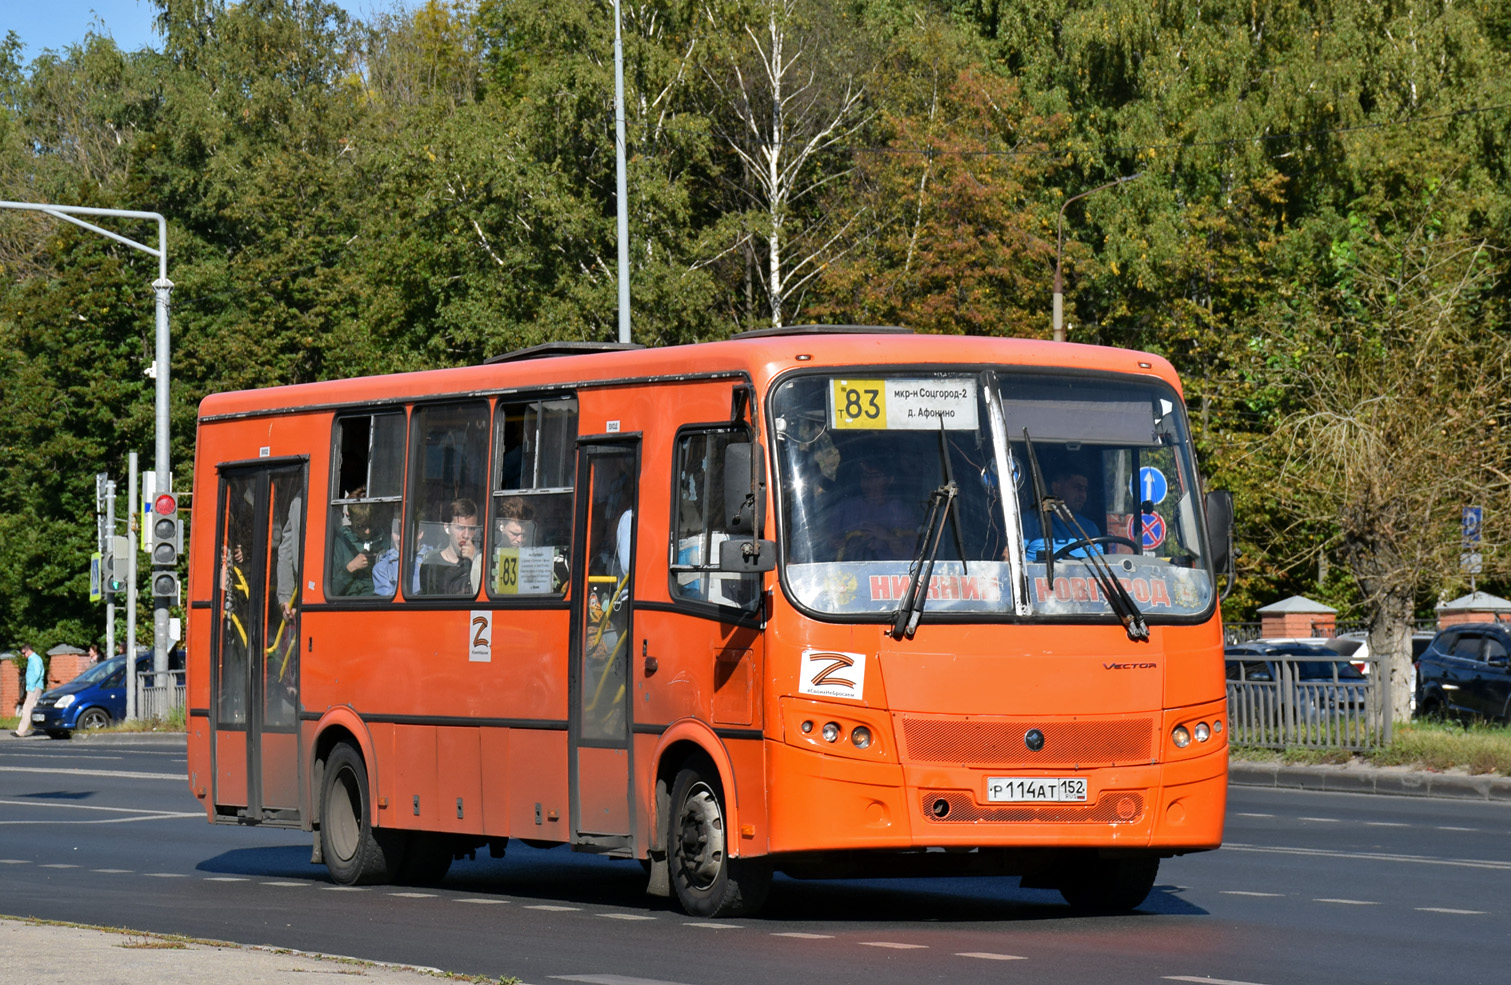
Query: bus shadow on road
x=560 y=876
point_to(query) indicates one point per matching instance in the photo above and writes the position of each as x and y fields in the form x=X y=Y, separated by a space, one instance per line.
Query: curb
x=1396 y=782
x=154 y=739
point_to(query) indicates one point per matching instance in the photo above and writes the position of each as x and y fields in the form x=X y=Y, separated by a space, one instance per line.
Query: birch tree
x=793 y=102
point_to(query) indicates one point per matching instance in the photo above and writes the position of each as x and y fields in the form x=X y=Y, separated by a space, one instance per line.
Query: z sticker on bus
x=480 y=637
x=830 y=674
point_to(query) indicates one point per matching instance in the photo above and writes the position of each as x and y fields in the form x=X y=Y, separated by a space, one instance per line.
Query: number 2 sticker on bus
x=904 y=404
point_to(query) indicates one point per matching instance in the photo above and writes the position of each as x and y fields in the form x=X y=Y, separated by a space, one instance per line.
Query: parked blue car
x=94 y=699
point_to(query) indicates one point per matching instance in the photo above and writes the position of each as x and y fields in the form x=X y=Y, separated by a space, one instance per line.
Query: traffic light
x=167 y=541
x=167 y=532
x=115 y=564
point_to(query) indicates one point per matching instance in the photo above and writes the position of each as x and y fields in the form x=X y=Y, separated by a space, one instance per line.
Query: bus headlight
x=1181 y=737
x=1202 y=732
x=831 y=731
x=860 y=736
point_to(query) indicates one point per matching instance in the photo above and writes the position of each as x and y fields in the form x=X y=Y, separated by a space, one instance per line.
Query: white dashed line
x=475 y=899
x=989 y=956
x=14 y=861
x=414 y=895
x=1246 y=892
x=1386 y=824
x=164 y=875
x=1205 y=980
x=1444 y=909
x=1252 y=815
x=346 y=889
x=894 y=945
x=625 y=916
x=57 y=865
x=553 y=909
x=227 y=879
x=1319 y=820
x=1349 y=902
x=1450 y=827
x=715 y=926
x=805 y=937
x=284 y=883
x=110 y=872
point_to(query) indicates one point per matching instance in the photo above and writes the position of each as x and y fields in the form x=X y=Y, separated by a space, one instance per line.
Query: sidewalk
x=1397 y=780
x=56 y=954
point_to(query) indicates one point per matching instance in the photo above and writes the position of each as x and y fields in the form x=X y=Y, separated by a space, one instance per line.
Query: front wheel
x=1108 y=885
x=709 y=883
x=354 y=851
x=94 y=718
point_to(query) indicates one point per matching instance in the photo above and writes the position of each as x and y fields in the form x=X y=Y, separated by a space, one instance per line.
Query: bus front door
x=255 y=646
x=598 y=730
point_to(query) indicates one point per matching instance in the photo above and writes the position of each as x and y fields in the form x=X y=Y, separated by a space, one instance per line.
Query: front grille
x=999 y=742
x=1112 y=807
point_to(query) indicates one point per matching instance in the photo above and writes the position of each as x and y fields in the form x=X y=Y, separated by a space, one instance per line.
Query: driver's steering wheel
x=1085 y=542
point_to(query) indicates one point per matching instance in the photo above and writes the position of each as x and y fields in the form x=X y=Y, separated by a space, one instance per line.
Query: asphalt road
x=1310 y=887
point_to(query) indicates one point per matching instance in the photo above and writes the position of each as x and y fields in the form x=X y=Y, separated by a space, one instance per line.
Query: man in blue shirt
x=35 y=679
x=1071 y=487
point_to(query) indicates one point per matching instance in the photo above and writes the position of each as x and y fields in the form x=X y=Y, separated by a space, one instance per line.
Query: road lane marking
x=1250 y=814
x=1348 y=902
x=1245 y=892
x=1453 y=827
x=110 y=871
x=805 y=937
x=347 y=889
x=989 y=956
x=284 y=882
x=1386 y=824
x=415 y=895
x=136 y=814
x=57 y=865
x=895 y=945
x=52 y=771
x=610 y=979
x=555 y=909
x=715 y=926
x=1444 y=909
x=165 y=875
x=626 y=916
x=1466 y=863
x=473 y=899
x=227 y=879
x=1320 y=820
x=1205 y=980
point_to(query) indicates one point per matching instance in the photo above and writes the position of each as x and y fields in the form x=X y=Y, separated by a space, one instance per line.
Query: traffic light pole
x=131 y=594
x=109 y=595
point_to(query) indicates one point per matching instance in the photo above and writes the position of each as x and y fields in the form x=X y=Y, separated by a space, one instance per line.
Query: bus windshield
x=863 y=461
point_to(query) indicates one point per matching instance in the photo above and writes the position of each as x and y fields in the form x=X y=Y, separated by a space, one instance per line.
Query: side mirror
x=744 y=487
x=747 y=556
x=1219 y=503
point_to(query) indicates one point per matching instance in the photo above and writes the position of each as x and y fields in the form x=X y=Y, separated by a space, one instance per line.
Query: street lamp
x=1060 y=249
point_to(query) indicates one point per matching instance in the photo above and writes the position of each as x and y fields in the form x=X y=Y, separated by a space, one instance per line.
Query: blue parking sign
x=1474 y=518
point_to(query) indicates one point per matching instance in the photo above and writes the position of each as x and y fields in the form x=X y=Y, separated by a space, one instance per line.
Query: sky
x=55 y=24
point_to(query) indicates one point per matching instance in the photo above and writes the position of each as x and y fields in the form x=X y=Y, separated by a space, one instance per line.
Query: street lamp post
x=161 y=289
x=1059 y=309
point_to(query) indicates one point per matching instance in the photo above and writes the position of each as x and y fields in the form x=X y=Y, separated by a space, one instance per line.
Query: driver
x=1070 y=485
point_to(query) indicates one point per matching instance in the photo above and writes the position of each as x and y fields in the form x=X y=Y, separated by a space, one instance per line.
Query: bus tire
x=354 y=852
x=708 y=882
x=1108 y=885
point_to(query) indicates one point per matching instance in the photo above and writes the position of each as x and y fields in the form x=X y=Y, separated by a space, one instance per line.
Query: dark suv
x=1465 y=672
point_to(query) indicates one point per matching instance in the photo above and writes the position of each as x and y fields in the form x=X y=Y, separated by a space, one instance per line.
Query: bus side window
x=447 y=481
x=366 y=497
x=699 y=525
x=530 y=509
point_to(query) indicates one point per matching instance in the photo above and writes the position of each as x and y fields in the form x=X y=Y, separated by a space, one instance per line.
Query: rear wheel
x=94 y=718
x=1108 y=885
x=709 y=883
x=354 y=851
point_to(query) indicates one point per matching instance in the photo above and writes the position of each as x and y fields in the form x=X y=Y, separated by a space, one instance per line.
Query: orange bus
x=777 y=603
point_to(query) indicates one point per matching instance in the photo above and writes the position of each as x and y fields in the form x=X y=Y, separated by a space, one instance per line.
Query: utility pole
x=621 y=183
x=131 y=527
x=1059 y=308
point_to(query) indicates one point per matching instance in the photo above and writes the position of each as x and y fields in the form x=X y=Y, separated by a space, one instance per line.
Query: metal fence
x=1333 y=714
x=160 y=700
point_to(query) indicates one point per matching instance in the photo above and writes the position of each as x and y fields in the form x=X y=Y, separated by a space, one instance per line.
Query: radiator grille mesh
x=999 y=742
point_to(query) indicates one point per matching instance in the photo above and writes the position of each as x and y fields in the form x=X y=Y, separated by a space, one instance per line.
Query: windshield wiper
x=1118 y=598
x=921 y=571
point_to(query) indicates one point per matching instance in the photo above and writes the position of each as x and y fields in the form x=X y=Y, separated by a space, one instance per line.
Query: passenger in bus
x=1069 y=484
x=453 y=570
x=875 y=524
x=513 y=514
x=351 y=550
x=386 y=564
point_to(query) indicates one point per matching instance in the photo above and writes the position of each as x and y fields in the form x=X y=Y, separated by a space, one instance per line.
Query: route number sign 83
x=860 y=404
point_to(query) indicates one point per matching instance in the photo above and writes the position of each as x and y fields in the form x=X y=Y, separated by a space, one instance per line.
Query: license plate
x=1036 y=789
